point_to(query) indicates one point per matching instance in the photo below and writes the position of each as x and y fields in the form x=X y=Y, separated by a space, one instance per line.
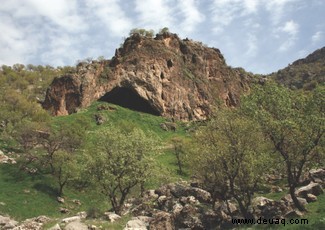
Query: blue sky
x=261 y=36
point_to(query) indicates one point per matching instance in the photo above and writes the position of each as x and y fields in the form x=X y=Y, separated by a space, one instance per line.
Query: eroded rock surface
x=164 y=76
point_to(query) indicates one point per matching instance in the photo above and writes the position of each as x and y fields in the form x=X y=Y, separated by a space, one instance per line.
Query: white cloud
x=226 y=11
x=291 y=27
x=277 y=7
x=111 y=15
x=191 y=13
x=252 y=47
x=155 y=14
x=318 y=36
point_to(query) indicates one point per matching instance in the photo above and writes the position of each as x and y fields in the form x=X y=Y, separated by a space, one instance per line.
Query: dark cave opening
x=127 y=98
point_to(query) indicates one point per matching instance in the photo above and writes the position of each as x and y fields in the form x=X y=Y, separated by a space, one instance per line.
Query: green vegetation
x=233 y=160
x=103 y=164
x=294 y=123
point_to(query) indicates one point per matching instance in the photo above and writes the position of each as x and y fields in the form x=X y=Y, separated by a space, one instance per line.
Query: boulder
x=76 y=225
x=71 y=219
x=261 y=201
x=135 y=224
x=317 y=175
x=7 y=223
x=111 y=216
x=311 y=198
x=312 y=188
x=162 y=221
x=60 y=200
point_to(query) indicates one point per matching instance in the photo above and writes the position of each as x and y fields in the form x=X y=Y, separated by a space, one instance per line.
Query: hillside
x=304 y=73
x=164 y=75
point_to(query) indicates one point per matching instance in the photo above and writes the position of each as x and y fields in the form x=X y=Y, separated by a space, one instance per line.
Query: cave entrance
x=128 y=98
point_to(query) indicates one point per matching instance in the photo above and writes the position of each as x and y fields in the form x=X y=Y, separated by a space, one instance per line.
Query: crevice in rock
x=128 y=98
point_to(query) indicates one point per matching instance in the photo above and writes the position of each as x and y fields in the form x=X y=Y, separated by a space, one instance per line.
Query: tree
x=293 y=122
x=228 y=159
x=179 y=152
x=119 y=162
x=66 y=169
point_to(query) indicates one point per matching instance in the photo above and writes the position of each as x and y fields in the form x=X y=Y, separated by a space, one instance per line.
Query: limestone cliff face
x=165 y=76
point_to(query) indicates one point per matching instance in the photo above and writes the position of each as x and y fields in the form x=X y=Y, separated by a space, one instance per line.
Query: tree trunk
x=295 y=200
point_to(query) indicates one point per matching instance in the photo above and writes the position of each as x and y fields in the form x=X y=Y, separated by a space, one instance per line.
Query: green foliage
x=142 y=32
x=179 y=149
x=164 y=30
x=294 y=124
x=120 y=161
x=228 y=159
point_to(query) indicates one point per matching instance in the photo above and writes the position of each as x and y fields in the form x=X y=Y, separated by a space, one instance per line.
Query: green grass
x=25 y=196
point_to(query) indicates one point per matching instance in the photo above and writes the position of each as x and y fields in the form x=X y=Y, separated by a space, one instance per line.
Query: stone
x=77 y=202
x=135 y=224
x=177 y=208
x=64 y=210
x=60 y=200
x=261 y=201
x=276 y=189
x=312 y=188
x=311 y=198
x=7 y=223
x=76 y=225
x=71 y=219
x=111 y=216
x=162 y=221
x=317 y=175
x=288 y=199
x=82 y=215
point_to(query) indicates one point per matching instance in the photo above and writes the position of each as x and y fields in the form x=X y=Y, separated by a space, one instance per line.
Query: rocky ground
x=183 y=206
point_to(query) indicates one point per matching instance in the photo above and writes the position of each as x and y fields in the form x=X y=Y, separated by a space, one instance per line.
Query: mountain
x=304 y=73
x=163 y=75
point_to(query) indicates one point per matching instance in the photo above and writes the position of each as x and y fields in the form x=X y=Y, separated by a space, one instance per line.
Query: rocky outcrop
x=165 y=76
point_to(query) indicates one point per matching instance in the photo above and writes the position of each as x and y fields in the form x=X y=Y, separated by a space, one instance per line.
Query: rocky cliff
x=166 y=76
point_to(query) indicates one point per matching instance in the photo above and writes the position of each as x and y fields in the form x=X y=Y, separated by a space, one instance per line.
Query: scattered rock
x=82 y=215
x=71 y=219
x=135 y=224
x=261 y=201
x=60 y=200
x=76 y=225
x=77 y=202
x=311 y=198
x=312 y=188
x=168 y=126
x=162 y=221
x=317 y=175
x=276 y=189
x=64 y=210
x=7 y=223
x=99 y=119
x=111 y=216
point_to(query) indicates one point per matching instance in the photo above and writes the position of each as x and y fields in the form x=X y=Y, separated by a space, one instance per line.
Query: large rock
x=7 y=223
x=312 y=188
x=135 y=224
x=162 y=221
x=317 y=175
x=76 y=225
x=163 y=76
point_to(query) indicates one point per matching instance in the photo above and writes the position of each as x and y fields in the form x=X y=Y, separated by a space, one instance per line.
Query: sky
x=261 y=36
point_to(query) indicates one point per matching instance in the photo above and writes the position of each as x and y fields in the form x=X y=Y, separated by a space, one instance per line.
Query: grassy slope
x=26 y=196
